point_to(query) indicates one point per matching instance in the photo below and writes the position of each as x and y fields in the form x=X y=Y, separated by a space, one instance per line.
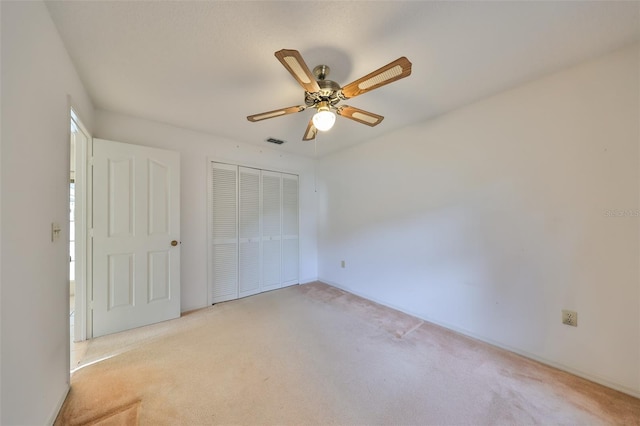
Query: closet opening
x=253 y=231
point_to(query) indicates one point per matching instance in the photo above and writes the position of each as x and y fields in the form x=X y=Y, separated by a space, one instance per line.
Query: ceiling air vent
x=276 y=141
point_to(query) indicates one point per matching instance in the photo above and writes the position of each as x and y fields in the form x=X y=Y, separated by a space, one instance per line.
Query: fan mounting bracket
x=321 y=72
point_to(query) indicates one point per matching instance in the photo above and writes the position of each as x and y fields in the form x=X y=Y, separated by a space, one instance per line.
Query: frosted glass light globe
x=324 y=119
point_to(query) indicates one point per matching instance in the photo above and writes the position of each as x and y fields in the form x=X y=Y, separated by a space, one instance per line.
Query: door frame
x=82 y=329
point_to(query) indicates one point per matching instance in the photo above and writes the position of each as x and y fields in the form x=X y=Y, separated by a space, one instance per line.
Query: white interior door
x=136 y=234
x=290 y=234
x=271 y=229
x=223 y=228
x=249 y=232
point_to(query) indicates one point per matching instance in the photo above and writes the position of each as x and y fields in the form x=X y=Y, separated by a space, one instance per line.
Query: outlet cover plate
x=570 y=317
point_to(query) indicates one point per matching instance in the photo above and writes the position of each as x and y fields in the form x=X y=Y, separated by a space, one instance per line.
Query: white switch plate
x=55 y=232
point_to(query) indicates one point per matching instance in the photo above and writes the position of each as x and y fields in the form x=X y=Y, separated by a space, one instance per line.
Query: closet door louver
x=254 y=231
x=224 y=233
x=289 y=229
x=271 y=229
x=249 y=231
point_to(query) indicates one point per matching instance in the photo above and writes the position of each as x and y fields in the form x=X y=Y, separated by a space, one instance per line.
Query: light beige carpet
x=316 y=355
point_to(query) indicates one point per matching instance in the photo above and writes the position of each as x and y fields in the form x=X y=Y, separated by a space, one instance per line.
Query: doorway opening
x=78 y=145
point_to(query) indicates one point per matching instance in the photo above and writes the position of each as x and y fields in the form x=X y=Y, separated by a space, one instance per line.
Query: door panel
x=271 y=229
x=136 y=215
x=159 y=275
x=290 y=232
x=120 y=187
x=121 y=280
x=249 y=268
x=249 y=230
x=223 y=262
x=159 y=197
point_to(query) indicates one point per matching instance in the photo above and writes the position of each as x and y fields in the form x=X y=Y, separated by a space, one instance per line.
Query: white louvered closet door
x=224 y=233
x=271 y=229
x=249 y=231
x=289 y=230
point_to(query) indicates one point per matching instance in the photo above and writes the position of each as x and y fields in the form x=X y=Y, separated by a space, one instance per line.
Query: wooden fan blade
x=293 y=62
x=359 y=115
x=275 y=113
x=311 y=132
x=400 y=68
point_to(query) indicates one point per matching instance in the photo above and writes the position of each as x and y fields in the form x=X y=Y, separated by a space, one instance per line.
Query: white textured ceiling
x=207 y=65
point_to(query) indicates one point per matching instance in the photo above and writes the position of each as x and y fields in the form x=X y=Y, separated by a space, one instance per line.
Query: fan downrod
x=321 y=72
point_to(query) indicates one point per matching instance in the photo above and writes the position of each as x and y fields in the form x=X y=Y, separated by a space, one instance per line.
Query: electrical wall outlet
x=570 y=317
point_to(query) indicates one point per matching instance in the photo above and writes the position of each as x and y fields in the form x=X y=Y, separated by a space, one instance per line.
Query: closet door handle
x=174 y=243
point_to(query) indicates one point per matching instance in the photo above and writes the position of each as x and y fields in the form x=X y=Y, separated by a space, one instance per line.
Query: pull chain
x=315 y=163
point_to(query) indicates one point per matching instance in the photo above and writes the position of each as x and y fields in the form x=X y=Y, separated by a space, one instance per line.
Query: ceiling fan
x=324 y=95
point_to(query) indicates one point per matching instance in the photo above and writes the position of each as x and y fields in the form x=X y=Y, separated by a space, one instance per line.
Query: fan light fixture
x=324 y=95
x=324 y=119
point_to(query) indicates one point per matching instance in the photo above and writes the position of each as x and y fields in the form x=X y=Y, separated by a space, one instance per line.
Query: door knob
x=174 y=243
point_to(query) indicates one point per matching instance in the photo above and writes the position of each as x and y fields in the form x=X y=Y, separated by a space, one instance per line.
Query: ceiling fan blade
x=311 y=132
x=359 y=115
x=293 y=62
x=275 y=113
x=400 y=68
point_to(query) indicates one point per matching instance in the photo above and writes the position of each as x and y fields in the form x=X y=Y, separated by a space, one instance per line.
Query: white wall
x=492 y=218
x=195 y=149
x=37 y=78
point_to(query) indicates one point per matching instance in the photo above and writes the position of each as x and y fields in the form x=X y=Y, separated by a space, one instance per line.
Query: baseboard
x=58 y=407
x=196 y=307
x=465 y=332
x=193 y=308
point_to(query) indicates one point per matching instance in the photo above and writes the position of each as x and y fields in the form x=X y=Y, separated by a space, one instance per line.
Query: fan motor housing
x=329 y=90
